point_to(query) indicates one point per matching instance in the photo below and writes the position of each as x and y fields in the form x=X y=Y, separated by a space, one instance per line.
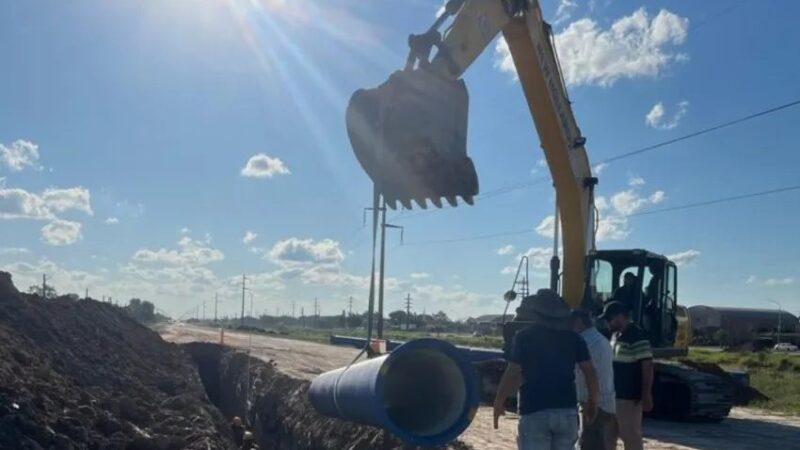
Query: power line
x=524 y=184
x=700 y=132
x=471 y=238
x=653 y=211
x=717 y=201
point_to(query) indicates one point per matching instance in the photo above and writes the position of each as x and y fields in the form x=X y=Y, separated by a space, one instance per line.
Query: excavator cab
x=410 y=136
x=653 y=298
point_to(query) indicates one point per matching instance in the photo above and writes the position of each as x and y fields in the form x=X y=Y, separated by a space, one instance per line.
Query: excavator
x=410 y=136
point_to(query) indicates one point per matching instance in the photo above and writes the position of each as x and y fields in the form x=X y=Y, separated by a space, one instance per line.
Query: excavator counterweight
x=410 y=136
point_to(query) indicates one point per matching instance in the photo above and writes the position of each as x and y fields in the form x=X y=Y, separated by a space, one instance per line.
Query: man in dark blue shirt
x=542 y=367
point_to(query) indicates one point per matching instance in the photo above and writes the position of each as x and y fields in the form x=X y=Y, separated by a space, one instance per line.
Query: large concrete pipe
x=424 y=392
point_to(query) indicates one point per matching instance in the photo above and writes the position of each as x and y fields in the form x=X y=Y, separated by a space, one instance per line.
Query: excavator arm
x=410 y=133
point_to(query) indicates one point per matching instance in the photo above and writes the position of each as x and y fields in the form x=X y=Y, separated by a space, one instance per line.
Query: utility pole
x=408 y=311
x=251 y=304
x=204 y=310
x=44 y=286
x=216 y=302
x=244 y=280
x=293 y=309
x=316 y=311
x=86 y=296
x=382 y=268
x=303 y=316
x=780 y=324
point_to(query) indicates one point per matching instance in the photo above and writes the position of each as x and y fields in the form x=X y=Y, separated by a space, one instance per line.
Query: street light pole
x=780 y=313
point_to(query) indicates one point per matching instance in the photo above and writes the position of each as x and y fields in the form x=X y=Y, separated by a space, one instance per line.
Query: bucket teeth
x=451 y=199
x=469 y=199
x=391 y=203
x=437 y=202
x=406 y=203
x=421 y=202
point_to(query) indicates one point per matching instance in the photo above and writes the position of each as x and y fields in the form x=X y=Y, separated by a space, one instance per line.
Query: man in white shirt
x=598 y=434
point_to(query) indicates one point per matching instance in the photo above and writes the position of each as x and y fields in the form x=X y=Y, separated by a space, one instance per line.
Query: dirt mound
x=81 y=374
x=277 y=405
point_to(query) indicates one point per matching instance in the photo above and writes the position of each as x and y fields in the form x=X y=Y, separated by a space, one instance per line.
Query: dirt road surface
x=745 y=429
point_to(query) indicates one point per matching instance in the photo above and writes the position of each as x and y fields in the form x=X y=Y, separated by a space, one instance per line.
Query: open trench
x=275 y=407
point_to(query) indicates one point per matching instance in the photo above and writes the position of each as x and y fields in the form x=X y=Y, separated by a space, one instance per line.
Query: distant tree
x=74 y=297
x=441 y=318
x=50 y=291
x=721 y=337
x=397 y=317
x=142 y=311
x=355 y=321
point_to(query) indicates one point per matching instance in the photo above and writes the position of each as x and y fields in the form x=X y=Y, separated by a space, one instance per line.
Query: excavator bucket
x=410 y=136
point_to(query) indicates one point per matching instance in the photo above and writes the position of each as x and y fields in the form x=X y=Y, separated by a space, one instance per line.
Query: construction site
x=618 y=317
x=82 y=374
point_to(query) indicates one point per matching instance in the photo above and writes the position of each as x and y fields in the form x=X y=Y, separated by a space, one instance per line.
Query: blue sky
x=142 y=141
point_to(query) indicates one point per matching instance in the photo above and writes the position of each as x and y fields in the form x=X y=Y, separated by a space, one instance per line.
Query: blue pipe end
x=425 y=392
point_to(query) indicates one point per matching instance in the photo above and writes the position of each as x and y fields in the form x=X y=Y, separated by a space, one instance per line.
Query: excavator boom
x=410 y=133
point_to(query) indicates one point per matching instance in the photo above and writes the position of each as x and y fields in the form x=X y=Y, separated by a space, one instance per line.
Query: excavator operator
x=626 y=294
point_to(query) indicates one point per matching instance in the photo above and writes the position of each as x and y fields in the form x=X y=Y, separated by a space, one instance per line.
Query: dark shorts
x=600 y=434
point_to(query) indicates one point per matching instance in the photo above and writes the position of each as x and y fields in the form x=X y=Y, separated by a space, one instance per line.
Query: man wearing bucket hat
x=541 y=366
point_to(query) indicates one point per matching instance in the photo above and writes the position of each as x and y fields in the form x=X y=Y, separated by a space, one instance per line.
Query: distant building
x=740 y=324
x=489 y=324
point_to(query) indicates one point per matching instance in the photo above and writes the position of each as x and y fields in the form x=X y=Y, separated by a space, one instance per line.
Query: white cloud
x=294 y=251
x=598 y=169
x=505 y=250
x=657 y=197
x=64 y=280
x=249 y=237
x=629 y=202
x=60 y=200
x=657 y=119
x=21 y=204
x=18 y=203
x=14 y=251
x=538 y=260
x=61 y=232
x=263 y=166
x=420 y=275
x=547 y=226
x=111 y=221
x=684 y=258
x=635 y=181
x=565 y=10
x=633 y=46
x=19 y=154
x=788 y=281
x=612 y=228
x=503 y=60
x=613 y=214
x=190 y=252
x=771 y=282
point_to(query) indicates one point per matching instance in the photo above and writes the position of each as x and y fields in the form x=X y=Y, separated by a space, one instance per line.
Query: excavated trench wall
x=276 y=407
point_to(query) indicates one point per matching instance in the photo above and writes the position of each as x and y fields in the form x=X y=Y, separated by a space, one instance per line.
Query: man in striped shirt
x=633 y=373
x=599 y=434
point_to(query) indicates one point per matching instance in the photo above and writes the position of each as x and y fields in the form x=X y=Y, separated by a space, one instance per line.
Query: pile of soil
x=276 y=405
x=81 y=374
